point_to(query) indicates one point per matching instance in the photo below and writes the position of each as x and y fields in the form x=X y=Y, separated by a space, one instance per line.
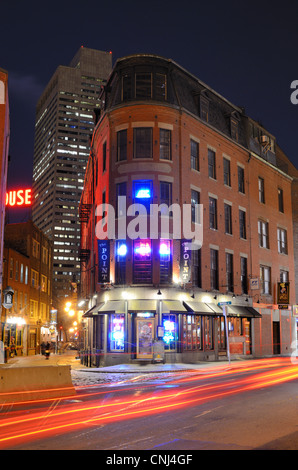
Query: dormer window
x=144 y=85
x=204 y=108
x=234 y=129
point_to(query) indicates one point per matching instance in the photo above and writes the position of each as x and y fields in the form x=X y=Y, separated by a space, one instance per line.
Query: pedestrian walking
x=43 y=348
x=47 y=350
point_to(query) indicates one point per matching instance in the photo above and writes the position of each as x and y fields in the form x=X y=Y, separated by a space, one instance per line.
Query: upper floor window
x=242 y=223
x=212 y=212
x=234 y=129
x=165 y=144
x=227 y=171
x=142 y=262
x=211 y=164
x=228 y=218
x=243 y=275
x=34 y=278
x=265 y=278
x=166 y=193
x=160 y=88
x=121 y=145
x=261 y=190
x=143 y=85
x=283 y=276
x=230 y=272
x=280 y=200
x=45 y=252
x=263 y=231
x=35 y=248
x=142 y=142
x=241 y=186
x=194 y=155
x=120 y=191
x=126 y=87
x=214 y=273
x=282 y=241
x=195 y=200
x=143 y=193
x=204 y=108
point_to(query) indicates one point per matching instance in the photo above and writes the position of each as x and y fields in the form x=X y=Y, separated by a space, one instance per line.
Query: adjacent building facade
x=28 y=270
x=165 y=138
x=64 y=124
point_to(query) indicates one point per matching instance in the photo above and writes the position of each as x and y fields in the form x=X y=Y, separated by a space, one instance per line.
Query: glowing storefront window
x=117 y=332
x=170 y=331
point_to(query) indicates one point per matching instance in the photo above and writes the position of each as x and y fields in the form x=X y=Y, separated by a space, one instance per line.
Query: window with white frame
x=263 y=231
x=265 y=278
x=282 y=243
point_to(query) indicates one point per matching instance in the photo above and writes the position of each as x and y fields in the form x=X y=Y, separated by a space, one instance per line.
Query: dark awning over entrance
x=240 y=311
x=93 y=311
x=199 y=307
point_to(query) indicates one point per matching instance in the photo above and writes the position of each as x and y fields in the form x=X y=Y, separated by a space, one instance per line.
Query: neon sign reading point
x=19 y=198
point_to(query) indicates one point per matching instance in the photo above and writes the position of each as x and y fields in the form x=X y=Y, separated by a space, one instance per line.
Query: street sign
x=220 y=304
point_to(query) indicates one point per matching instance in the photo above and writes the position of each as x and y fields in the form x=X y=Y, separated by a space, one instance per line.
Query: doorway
x=144 y=338
x=276 y=337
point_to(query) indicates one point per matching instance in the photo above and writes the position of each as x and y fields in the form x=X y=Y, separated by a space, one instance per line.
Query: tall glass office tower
x=63 y=129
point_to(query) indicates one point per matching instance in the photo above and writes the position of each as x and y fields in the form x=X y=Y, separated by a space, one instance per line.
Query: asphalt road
x=242 y=407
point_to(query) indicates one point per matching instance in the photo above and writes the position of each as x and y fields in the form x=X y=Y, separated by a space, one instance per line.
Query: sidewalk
x=70 y=358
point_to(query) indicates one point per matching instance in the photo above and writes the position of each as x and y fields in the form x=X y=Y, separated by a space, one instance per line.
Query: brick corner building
x=165 y=137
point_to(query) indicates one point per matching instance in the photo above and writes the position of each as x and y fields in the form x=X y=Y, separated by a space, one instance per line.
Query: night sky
x=245 y=50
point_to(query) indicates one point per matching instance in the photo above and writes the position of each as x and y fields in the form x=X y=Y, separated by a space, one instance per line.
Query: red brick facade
x=264 y=262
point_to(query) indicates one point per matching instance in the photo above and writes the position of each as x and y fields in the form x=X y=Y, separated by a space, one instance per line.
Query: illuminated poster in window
x=117 y=333
x=185 y=261
x=144 y=338
x=103 y=261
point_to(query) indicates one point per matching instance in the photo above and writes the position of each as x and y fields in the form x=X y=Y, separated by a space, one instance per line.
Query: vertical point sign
x=103 y=261
x=185 y=261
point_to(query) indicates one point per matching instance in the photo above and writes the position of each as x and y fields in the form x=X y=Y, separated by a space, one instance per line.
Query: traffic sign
x=220 y=304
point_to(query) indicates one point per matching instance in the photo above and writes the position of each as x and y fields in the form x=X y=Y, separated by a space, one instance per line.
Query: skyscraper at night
x=63 y=128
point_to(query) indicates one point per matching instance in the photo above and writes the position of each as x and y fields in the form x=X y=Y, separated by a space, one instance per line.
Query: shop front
x=125 y=331
x=13 y=335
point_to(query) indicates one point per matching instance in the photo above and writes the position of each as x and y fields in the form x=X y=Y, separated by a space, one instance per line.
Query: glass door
x=144 y=338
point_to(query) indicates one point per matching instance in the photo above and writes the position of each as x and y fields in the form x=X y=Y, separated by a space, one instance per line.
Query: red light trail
x=140 y=400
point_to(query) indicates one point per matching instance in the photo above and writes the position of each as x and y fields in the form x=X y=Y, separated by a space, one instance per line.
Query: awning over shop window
x=172 y=306
x=199 y=307
x=115 y=306
x=93 y=311
x=142 y=305
x=241 y=311
x=216 y=309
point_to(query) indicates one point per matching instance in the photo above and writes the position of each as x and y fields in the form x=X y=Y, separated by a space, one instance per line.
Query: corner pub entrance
x=125 y=331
